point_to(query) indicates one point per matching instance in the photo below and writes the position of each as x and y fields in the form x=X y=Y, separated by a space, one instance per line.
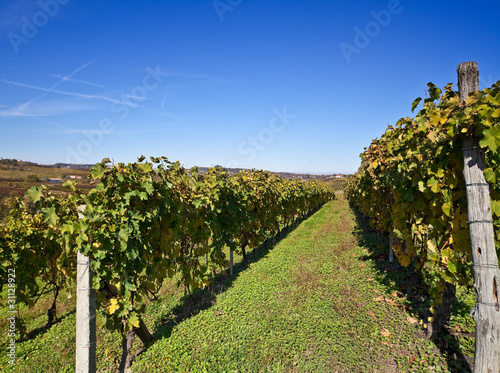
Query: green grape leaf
x=453 y=265
x=495 y=208
x=434 y=185
x=50 y=216
x=123 y=235
x=495 y=131
x=490 y=175
x=35 y=193
x=488 y=141
x=197 y=203
x=97 y=171
x=134 y=320
x=70 y=184
x=415 y=104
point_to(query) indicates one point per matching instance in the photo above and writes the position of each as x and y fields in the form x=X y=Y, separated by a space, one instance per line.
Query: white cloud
x=76 y=80
x=45 y=108
x=65 y=93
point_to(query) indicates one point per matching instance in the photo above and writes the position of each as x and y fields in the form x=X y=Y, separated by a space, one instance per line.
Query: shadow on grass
x=202 y=299
x=45 y=328
x=397 y=278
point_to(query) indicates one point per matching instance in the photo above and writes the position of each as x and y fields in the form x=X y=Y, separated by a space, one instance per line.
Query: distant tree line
x=9 y=162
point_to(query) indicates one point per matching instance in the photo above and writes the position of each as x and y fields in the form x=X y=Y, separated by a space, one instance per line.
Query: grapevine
x=145 y=222
x=410 y=182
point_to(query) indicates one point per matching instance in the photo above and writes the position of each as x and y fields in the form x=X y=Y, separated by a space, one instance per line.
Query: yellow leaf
x=446 y=208
x=404 y=259
x=113 y=306
x=431 y=246
x=134 y=320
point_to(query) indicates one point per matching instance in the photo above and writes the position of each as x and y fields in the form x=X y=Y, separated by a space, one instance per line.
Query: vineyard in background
x=145 y=222
x=17 y=176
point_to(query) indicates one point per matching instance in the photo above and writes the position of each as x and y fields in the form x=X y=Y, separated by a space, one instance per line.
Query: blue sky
x=299 y=86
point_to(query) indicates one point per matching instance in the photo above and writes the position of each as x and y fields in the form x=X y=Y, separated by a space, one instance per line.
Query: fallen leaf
x=385 y=333
x=411 y=320
x=372 y=314
x=378 y=299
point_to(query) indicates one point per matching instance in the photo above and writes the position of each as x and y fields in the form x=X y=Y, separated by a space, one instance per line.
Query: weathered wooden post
x=484 y=256
x=85 y=315
x=391 y=244
x=231 y=262
x=391 y=233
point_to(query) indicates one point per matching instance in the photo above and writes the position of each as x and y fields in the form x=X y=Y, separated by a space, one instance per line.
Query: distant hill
x=286 y=175
x=73 y=166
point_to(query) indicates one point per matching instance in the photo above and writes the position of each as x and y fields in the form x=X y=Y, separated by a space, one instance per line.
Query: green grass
x=309 y=305
x=321 y=300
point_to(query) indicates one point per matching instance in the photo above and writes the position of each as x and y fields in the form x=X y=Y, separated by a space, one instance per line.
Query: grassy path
x=312 y=304
x=320 y=300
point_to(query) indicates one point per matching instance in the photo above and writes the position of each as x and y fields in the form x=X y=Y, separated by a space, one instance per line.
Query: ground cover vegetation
x=320 y=297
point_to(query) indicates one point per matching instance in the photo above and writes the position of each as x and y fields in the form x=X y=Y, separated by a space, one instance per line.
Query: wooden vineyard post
x=391 y=243
x=391 y=233
x=231 y=262
x=484 y=257
x=85 y=315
